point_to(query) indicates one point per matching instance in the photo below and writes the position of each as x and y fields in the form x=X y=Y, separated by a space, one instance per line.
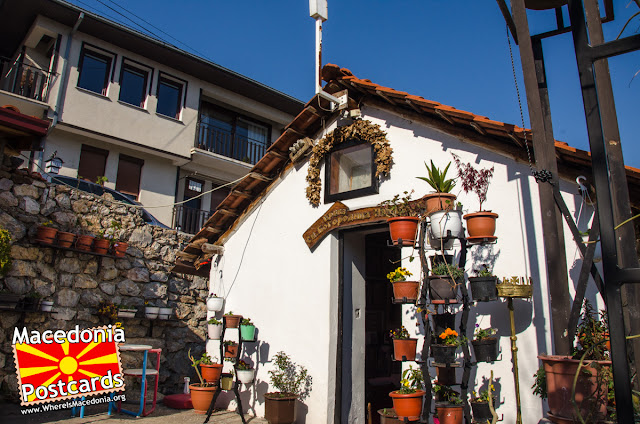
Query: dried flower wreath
x=361 y=130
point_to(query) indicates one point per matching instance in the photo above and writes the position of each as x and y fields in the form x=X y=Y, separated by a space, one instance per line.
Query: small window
x=350 y=172
x=92 y=164
x=128 y=179
x=169 y=97
x=133 y=85
x=195 y=186
x=94 y=69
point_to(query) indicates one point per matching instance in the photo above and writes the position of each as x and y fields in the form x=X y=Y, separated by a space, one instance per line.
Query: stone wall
x=78 y=282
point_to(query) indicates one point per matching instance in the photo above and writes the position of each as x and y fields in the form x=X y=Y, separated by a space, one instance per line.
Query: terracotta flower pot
x=450 y=414
x=438 y=201
x=120 y=249
x=65 y=239
x=211 y=373
x=46 y=235
x=442 y=287
x=101 y=246
x=231 y=351
x=84 y=243
x=481 y=224
x=232 y=321
x=591 y=397
x=404 y=349
x=405 y=290
x=201 y=397
x=280 y=408
x=405 y=228
x=408 y=405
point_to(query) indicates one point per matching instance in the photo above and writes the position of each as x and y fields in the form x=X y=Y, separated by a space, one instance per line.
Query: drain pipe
x=64 y=81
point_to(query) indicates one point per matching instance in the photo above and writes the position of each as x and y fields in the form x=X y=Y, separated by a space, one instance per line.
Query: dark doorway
x=382 y=375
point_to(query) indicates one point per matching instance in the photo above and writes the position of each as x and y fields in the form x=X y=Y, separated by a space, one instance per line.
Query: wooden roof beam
x=444 y=116
x=478 y=128
x=260 y=177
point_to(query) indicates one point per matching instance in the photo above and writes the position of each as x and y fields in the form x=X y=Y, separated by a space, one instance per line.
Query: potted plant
x=480 y=224
x=151 y=312
x=201 y=393
x=404 y=347
x=210 y=369
x=214 y=328
x=291 y=382
x=244 y=372
x=101 y=243
x=403 y=218
x=46 y=306
x=480 y=405
x=443 y=281
x=444 y=352
x=483 y=285
x=46 y=234
x=407 y=401
x=388 y=416
x=403 y=290
x=450 y=411
x=65 y=239
x=230 y=349
x=165 y=312
x=558 y=372
x=126 y=311
x=485 y=344
x=231 y=320
x=444 y=227
x=85 y=241
x=214 y=303
x=442 y=199
x=108 y=310
x=247 y=330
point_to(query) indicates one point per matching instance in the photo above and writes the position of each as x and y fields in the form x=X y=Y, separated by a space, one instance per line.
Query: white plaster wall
x=274 y=257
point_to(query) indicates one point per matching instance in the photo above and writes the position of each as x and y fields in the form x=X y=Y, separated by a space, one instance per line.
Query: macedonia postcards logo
x=57 y=365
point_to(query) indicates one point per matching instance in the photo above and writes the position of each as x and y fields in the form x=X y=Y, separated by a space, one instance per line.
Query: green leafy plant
x=229 y=313
x=214 y=321
x=195 y=364
x=401 y=206
x=592 y=335
x=246 y=321
x=450 y=337
x=483 y=396
x=47 y=224
x=438 y=179
x=101 y=180
x=399 y=274
x=540 y=383
x=230 y=343
x=447 y=394
x=205 y=359
x=5 y=251
x=484 y=333
x=411 y=381
x=483 y=271
x=288 y=378
x=399 y=333
x=450 y=270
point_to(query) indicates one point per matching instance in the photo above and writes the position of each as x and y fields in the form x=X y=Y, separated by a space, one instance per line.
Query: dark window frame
x=140 y=68
x=109 y=57
x=373 y=187
x=179 y=83
x=236 y=117
x=96 y=150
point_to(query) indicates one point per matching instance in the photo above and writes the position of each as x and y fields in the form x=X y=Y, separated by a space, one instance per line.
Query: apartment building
x=162 y=125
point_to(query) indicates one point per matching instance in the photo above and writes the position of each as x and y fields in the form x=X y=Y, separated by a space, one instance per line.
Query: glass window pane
x=169 y=97
x=94 y=72
x=133 y=86
x=350 y=169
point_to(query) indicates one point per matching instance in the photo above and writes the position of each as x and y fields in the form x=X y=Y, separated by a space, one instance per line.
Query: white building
x=325 y=300
x=161 y=124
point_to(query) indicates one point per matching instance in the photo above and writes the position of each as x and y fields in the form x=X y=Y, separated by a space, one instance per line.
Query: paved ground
x=10 y=414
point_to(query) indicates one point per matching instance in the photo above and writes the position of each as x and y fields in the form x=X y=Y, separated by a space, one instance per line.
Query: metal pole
x=318 y=55
x=514 y=358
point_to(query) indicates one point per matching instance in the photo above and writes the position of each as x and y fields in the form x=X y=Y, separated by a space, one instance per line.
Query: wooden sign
x=339 y=216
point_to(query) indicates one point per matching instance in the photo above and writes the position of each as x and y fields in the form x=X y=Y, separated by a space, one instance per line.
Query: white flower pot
x=165 y=313
x=214 y=304
x=215 y=331
x=245 y=376
x=151 y=312
x=127 y=313
x=46 y=305
x=444 y=221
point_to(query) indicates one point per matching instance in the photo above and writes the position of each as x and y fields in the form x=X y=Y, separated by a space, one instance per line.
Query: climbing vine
x=5 y=251
x=360 y=130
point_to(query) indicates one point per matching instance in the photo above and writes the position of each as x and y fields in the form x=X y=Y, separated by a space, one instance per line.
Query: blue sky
x=455 y=53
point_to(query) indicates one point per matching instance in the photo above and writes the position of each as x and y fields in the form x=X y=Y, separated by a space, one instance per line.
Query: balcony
x=215 y=140
x=25 y=80
x=189 y=220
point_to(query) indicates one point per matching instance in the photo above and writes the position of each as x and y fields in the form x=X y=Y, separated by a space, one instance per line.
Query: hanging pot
x=438 y=201
x=201 y=397
x=214 y=303
x=405 y=228
x=442 y=287
x=450 y=414
x=443 y=354
x=65 y=239
x=151 y=312
x=127 y=313
x=46 y=235
x=406 y=291
x=443 y=321
x=481 y=224
x=445 y=223
x=408 y=405
x=101 y=246
x=485 y=350
x=483 y=289
x=211 y=372
x=120 y=249
x=214 y=331
x=45 y=306
x=481 y=411
x=247 y=332
x=84 y=243
x=404 y=349
x=245 y=376
x=165 y=312
x=232 y=321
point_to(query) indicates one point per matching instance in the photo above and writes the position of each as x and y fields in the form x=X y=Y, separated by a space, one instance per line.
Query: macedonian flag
x=56 y=365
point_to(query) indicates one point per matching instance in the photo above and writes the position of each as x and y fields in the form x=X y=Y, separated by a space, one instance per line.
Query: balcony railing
x=230 y=145
x=189 y=220
x=25 y=80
